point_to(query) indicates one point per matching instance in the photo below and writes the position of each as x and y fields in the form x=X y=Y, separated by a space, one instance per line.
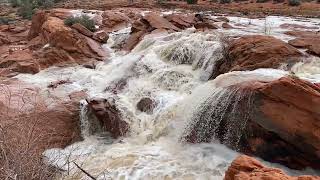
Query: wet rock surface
x=256 y=51
x=245 y=167
x=306 y=39
x=109 y=116
x=146 y=105
x=277 y=121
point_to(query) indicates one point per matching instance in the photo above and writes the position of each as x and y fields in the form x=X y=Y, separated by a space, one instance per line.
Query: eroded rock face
x=257 y=51
x=277 y=121
x=245 y=168
x=109 y=116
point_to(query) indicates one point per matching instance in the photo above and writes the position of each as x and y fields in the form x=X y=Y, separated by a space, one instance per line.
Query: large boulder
x=306 y=39
x=109 y=116
x=245 y=168
x=65 y=45
x=256 y=51
x=277 y=121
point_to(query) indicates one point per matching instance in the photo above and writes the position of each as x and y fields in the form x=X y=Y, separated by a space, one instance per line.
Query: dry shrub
x=25 y=132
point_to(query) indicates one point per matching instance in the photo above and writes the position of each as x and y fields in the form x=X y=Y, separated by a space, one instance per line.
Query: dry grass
x=25 y=132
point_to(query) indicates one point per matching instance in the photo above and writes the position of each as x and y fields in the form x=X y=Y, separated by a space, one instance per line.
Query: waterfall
x=172 y=70
x=89 y=125
x=221 y=116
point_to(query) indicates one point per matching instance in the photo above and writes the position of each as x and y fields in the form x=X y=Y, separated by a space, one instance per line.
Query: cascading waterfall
x=173 y=71
x=222 y=115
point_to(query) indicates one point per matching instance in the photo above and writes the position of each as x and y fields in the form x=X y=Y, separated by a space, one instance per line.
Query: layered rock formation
x=306 y=39
x=277 y=121
x=248 y=168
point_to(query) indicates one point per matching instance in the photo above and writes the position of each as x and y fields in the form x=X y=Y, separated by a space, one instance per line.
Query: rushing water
x=173 y=69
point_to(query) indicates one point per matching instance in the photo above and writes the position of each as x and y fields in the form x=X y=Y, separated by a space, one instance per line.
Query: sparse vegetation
x=24 y=136
x=83 y=20
x=294 y=2
x=27 y=7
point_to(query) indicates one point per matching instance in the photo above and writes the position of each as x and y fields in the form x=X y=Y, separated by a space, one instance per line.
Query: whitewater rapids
x=173 y=69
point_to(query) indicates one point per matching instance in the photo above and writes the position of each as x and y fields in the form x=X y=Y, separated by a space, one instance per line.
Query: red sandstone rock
x=248 y=168
x=58 y=35
x=280 y=123
x=158 y=22
x=133 y=40
x=101 y=36
x=83 y=30
x=37 y=21
x=114 y=20
x=308 y=39
x=256 y=51
x=181 y=21
x=20 y=61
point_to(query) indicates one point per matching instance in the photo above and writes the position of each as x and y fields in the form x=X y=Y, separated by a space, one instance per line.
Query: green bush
x=45 y=3
x=294 y=2
x=27 y=7
x=192 y=1
x=225 y=1
x=84 y=20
